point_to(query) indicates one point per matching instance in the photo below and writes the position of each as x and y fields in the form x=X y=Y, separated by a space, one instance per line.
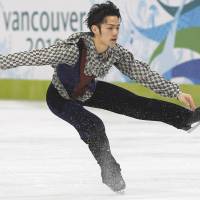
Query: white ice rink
x=43 y=158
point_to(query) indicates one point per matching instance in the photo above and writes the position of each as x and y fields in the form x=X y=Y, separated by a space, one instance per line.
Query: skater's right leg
x=92 y=131
x=119 y=100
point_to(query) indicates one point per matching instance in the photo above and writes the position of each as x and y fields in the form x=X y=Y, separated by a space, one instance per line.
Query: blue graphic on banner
x=189 y=70
x=159 y=33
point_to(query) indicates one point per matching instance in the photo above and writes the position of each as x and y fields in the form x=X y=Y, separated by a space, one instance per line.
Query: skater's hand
x=187 y=100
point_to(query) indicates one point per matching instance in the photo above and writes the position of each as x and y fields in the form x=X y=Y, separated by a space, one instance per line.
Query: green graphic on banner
x=188 y=39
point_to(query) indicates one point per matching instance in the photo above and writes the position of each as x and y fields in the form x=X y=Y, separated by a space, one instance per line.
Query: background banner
x=163 y=33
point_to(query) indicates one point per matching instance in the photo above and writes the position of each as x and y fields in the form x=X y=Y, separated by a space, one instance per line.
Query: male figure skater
x=78 y=61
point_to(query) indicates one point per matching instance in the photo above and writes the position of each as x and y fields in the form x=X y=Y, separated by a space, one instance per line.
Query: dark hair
x=98 y=12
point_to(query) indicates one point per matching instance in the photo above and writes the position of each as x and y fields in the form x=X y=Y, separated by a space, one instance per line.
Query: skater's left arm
x=141 y=72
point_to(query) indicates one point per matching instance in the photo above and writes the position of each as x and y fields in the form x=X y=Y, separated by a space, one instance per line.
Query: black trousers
x=116 y=99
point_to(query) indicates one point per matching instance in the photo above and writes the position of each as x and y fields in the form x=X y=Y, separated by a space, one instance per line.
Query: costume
x=97 y=65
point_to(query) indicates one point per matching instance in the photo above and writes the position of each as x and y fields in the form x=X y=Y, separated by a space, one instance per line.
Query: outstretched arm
x=55 y=54
x=142 y=73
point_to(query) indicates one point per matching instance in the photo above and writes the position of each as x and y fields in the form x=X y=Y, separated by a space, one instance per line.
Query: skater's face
x=107 y=32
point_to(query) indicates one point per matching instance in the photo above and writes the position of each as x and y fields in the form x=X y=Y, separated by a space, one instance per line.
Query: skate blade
x=120 y=192
x=196 y=125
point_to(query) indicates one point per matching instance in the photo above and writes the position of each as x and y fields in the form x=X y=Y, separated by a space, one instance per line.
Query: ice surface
x=43 y=158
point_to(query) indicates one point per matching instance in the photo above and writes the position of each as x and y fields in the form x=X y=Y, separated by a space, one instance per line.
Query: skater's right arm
x=53 y=55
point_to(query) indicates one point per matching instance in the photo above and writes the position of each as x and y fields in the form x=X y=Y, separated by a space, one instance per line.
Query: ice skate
x=111 y=176
x=194 y=127
x=194 y=121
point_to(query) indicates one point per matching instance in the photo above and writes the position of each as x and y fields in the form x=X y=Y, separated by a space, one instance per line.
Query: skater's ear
x=95 y=29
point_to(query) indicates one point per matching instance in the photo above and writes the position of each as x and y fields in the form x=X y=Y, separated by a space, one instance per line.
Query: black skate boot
x=111 y=176
x=110 y=169
x=195 y=118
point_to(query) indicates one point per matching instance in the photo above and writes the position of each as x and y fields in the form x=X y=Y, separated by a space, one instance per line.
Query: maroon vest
x=85 y=80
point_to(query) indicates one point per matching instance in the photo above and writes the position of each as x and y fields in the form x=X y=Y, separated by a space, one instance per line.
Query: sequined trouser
x=116 y=99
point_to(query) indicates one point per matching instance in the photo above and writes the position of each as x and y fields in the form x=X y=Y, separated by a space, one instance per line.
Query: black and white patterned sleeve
x=141 y=73
x=53 y=55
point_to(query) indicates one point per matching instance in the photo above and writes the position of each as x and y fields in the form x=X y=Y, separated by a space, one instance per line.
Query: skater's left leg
x=92 y=131
x=119 y=100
